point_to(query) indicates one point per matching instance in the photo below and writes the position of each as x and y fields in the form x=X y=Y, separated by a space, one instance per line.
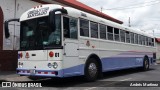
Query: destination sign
x=38 y=12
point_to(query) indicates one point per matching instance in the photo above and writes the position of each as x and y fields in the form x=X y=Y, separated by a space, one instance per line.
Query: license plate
x=32 y=71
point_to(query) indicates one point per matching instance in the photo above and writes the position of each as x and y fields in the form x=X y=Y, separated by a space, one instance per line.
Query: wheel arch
x=146 y=56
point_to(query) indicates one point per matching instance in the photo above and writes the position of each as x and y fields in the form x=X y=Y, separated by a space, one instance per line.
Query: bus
x=60 y=41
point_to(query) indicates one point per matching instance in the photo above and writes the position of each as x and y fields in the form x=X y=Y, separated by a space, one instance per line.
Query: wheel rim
x=146 y=64
x=92 y=69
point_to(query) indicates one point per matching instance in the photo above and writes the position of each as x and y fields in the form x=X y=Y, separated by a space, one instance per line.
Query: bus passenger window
x=132 y=37
x=70 y=27
x=127 y=37
x=102 y=31
x=116 y=34
x=110 y=32
x=140 y=39
x=84 y=27
x=152 y=42
x=94 y=29
x=136 y=39
x=122 y=35
x=143 y=40
x=147 y=42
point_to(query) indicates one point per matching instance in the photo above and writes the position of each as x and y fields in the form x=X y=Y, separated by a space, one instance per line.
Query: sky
x=144 y=14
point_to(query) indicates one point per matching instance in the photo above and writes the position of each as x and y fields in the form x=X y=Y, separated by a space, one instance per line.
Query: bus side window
x=132 y=38
x=110 y=32
x=116 y=34
x=102 y=31
x=84 y=27
x=70 y=27
x=127 y=37
x=122 y=35
x=94 y=29
x=140 y=39
x=136 y=39
x=152 y=42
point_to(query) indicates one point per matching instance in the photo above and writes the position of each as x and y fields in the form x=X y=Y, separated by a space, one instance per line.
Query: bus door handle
x=64 y=49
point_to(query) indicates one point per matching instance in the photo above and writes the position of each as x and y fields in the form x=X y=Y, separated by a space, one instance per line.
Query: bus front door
x=70 y=41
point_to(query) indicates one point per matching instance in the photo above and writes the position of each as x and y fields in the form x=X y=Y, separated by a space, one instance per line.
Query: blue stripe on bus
x=117 y=63
x=108 y=64
x=74 y=71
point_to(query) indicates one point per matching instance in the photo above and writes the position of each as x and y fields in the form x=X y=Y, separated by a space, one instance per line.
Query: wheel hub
x=92 y=69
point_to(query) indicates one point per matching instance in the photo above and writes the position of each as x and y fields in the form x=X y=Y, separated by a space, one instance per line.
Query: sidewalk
x=7 y=74
x=12 y=76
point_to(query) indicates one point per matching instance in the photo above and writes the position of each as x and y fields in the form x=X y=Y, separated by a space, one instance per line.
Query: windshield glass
x=36 y=35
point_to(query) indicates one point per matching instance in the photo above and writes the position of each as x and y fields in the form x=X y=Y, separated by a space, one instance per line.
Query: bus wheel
x=91 y=70
x=146 y=64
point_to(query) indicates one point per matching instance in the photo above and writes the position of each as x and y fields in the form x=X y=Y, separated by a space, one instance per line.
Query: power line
x=134 y=6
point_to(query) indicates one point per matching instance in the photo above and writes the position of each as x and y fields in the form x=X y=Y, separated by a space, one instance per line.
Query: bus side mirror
x=7 y=34
x=52 y=17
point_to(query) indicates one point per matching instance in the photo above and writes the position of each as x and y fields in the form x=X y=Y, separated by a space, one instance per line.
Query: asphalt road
x=115 y=80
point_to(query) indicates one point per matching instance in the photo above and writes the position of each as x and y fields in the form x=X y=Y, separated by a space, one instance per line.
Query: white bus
x=57 y=41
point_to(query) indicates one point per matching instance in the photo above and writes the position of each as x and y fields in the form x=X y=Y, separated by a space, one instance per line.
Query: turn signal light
x=51 y=54
x=27 y=55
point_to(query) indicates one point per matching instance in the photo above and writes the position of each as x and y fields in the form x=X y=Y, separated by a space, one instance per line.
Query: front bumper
x=40 y=73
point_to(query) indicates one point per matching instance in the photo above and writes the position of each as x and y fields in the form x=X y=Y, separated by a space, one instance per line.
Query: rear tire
x=146 y=64
x=91 y=70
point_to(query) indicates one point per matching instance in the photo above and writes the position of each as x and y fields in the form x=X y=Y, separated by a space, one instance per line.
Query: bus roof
x=43 y=10
x=78 y=5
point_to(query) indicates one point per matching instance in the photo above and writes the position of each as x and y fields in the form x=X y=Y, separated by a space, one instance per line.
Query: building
x=158 y=48
x=14 y=9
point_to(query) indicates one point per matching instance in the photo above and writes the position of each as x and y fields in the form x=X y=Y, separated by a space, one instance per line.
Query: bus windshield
x=35 y=34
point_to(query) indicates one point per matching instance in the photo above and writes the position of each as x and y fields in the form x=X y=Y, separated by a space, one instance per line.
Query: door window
x=70 y=27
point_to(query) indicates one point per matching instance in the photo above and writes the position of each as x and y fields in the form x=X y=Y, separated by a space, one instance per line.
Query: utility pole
x=101 y=9
x=129 y=22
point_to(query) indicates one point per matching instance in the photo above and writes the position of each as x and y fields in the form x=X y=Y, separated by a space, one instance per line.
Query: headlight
x=20 y=64
x=49 y=65
x=55 y=65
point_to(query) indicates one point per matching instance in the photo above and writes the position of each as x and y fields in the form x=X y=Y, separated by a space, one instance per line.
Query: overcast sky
x=144 y=14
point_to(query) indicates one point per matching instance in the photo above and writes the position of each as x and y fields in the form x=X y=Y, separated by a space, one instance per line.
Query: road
x=115 y=80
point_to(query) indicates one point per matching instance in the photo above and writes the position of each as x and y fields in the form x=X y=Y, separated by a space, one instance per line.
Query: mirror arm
x=52 y=16
x=6 y=23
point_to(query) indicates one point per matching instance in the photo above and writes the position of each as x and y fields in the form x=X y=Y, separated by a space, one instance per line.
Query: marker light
x=27 y=55
x=51 y=54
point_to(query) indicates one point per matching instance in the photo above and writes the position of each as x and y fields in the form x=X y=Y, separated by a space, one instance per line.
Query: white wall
x=8 y=8
x=14 y=9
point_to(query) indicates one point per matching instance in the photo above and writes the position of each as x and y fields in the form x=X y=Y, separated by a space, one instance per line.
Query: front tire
x=91 y=70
